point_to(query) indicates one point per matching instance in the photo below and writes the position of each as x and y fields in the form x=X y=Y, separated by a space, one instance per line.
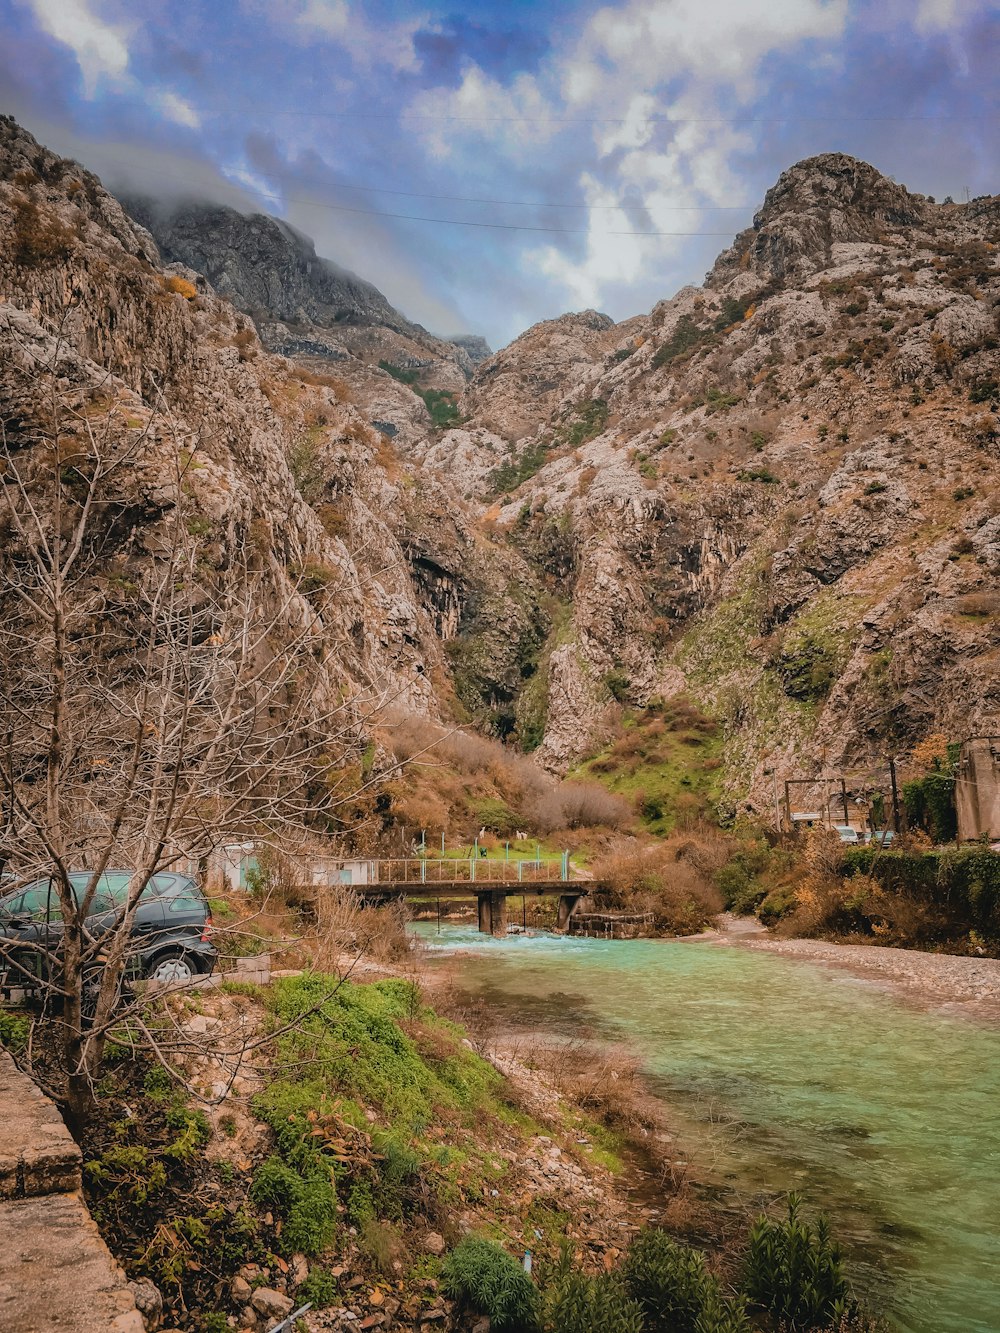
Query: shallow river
x=781 y=1075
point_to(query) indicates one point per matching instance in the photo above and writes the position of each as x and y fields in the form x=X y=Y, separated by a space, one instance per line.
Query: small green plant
x=579 y=1304
x=686 y=335
x=319 y=1288
x=875 y=488
x=305 y=1201
x=759 y=474
x=963 y=493
x=618 y=685
x=14 y=1029
x=669 y=1280
x=795 y=1272
x=485 y=1277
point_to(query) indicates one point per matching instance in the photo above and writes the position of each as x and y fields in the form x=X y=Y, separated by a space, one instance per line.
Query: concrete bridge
x=491 y=899
x=490 y=881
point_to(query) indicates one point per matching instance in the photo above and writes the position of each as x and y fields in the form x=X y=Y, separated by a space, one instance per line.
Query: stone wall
x=56 y=1273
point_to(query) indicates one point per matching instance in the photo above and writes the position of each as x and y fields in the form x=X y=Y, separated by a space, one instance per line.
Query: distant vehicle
x=848 y=834
x=881 y=837
x=171 y=928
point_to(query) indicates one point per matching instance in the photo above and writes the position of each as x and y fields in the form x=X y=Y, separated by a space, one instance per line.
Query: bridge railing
x=471 y=870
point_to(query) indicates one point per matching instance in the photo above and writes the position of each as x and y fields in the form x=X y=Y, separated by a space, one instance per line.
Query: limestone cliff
x=779 y=491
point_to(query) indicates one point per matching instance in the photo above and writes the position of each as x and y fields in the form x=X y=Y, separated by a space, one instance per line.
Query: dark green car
x=171 y=928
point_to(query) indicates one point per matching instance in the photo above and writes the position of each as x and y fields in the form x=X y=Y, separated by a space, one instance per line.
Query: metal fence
x=473 y=870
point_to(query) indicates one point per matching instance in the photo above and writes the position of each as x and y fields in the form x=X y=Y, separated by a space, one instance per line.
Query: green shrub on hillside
x=685 y=337
x=485 y=1277
x=808 y=666
x=303 y=1197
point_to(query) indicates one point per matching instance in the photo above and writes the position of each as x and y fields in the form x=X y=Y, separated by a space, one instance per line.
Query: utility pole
x=895 y=794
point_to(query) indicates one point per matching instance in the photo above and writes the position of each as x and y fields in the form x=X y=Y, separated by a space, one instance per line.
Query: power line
x=446 y=222
x=533 y=203
x=622 y=120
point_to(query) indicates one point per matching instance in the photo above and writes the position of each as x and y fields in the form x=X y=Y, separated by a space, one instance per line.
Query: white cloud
x=177 y=109
x=336 y=21
x=660 y=82
x=100 y=48
x=511 y=118
x=331 y=17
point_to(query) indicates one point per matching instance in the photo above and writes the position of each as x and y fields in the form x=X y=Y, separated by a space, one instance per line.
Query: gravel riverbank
x=956 y=985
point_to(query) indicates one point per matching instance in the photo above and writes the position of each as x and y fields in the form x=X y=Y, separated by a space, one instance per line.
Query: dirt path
x=968 y=986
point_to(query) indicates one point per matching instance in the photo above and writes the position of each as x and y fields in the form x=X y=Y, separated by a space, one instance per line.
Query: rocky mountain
x=778 y=493
x=277 y=458
x=773 y=499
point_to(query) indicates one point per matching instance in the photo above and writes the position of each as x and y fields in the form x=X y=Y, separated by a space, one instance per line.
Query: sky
x=493 y=164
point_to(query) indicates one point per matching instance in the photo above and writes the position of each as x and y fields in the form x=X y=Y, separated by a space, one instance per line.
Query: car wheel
x=171 y=969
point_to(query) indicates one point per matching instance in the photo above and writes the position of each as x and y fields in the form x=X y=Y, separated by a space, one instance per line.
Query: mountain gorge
x=775 y=497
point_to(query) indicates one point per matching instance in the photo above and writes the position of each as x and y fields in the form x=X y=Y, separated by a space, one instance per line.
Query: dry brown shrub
x=346 y=929
x=340 y=388
x=575 y=805
x=979 y=604
x=38 y=236
x=245 y=342
x=423 y=808
x=604 y=1082
x=181 y=287
x=672 y=880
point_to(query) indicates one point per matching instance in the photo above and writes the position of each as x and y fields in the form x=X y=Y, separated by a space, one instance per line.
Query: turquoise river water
x=778 y=1075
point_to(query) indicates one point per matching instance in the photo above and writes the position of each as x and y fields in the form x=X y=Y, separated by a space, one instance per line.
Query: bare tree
x=151 y=708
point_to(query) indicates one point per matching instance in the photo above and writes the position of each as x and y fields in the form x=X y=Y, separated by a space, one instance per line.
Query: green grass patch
x=666 y=763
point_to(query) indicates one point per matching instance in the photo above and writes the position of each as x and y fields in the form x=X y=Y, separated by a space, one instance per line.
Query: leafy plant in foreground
x=484 y=1276
x=669 y=1280
x=579 y=1304
x=795 y=1271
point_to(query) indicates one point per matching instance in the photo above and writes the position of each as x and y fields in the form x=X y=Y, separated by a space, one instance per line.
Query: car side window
x=38 y=901
x=187 y=902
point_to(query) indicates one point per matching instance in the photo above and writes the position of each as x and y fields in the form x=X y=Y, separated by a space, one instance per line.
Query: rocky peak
x=263 y=266
x=521 y=384
x=476 y=348
x=821 y=201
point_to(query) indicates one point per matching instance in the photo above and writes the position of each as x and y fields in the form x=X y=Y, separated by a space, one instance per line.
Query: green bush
x=721 y=1316
x=794 y=1271
x=14 y=1030
x=808 y=666
x=319 y=1288
x=305 y=1201
x=669 y=1280
x=930 y=803
x=578 y=1304
x=738 y=880
x=962 y=883
x=686 y=335
x=485 y=1277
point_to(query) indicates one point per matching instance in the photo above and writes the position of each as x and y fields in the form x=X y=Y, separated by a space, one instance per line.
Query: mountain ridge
x=774 y=495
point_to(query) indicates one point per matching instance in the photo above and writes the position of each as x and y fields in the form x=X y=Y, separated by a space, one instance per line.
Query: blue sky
x=558 y=128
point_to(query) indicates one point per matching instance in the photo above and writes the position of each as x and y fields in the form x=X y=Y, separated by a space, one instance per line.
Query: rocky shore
x=945 y=982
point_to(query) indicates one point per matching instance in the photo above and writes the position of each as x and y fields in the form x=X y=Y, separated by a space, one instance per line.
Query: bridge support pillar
x=567 y=906
x=492 y=913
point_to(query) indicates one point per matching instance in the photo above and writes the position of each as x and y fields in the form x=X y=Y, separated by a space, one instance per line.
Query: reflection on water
x=780 y=1075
